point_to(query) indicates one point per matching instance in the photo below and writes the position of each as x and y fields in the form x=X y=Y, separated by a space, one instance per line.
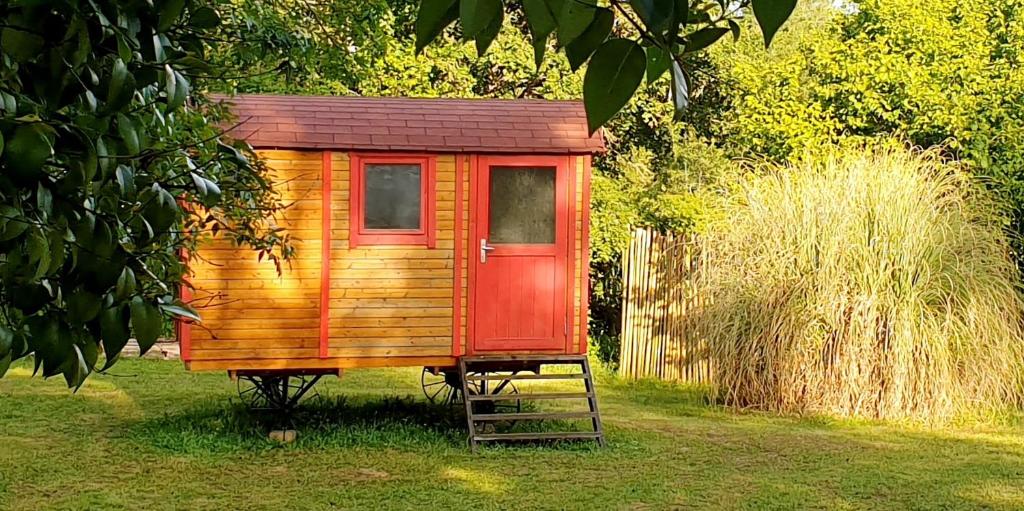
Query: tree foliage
x=931 y=72
x=107 y=173
x=653 y=39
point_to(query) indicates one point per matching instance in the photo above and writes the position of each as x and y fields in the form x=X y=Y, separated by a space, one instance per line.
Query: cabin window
x=392 y=200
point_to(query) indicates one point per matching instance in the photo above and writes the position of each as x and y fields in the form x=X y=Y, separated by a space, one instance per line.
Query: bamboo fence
x=661 y=283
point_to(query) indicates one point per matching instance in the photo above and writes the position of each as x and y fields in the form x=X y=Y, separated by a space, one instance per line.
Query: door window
x=522 y=205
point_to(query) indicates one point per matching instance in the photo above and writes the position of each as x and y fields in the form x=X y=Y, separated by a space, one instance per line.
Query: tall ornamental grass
x=872 y=284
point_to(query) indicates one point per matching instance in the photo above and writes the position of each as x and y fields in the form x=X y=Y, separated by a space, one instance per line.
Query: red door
x=520 y=252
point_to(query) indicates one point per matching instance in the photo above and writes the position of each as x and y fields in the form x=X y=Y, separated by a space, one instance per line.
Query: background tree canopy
x=929 y=72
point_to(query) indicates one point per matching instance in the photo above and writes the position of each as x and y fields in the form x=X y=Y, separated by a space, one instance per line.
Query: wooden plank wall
x=384 y=301
x=248 y=310
x=388 y=301
x=577 y=250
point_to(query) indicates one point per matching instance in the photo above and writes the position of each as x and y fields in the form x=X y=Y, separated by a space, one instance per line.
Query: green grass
x=153 y=436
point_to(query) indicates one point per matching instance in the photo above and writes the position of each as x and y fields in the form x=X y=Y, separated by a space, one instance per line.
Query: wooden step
x=500 y=377
x=531 y=396
x=561 y=435
x=490 y=369
x=484 y=417
x=547 y=359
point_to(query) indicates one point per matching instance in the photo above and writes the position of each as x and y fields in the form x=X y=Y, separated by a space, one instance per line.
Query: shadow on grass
x=218 y=426
x=323 y=422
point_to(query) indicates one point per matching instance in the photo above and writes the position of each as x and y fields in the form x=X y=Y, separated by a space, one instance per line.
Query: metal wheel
x=439 y=388
x=274 y=392
x=503 y=388
x=443 y=387
x=497 y=388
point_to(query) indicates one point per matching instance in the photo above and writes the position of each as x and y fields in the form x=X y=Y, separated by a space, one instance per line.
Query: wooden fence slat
x=661 y=290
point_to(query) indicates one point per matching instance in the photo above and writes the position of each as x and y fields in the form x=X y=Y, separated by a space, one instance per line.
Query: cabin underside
x=352 y=298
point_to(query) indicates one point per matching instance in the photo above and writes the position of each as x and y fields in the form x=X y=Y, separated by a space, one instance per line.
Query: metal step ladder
x=477 y=373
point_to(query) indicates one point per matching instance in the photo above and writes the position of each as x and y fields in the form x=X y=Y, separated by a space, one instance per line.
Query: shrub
x=872 y=283
x=636 y=188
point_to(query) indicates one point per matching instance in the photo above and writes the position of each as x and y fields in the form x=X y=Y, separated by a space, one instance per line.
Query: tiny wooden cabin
x=425 y=229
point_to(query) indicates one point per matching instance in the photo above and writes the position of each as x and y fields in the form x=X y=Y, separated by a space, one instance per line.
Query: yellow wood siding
x=391 y=300
x=384 y=301
x=249 y=311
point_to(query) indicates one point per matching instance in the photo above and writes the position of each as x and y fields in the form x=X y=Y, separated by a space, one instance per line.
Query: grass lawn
x=153 y=436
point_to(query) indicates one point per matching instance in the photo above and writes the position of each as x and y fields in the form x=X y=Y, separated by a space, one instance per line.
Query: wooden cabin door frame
x=498 y=321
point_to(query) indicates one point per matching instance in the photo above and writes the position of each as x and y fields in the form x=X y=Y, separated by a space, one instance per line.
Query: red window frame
x=360 y=235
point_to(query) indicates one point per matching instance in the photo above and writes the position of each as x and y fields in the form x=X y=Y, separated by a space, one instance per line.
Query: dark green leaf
x=177 y=89
x=114 y=332
x=205 y=18
x=170 y=11
x=6 y=340
x=106 y=163
x=82 y=306
x=539 y=18
x=5 y=364
x=125 y=286
x=121 y=87
x=124 y=50
x=613 y=75
x=90 y=352
x=129 y=134
x=680 y=90
x=44 y=200
x=28 y=150
x=209 y=192
x=146 y=322
x=487 y=35
x=540 y=47
x=22 y=43
x=180 y=309
x=658 y=61
x=236 y=156
x=704 y=37
x=770 y=15
x=735 y=29
x=578 y=51
x=433 y=17
x=9 y=104
x=125 y=181
x=573 y=17
x=57 y=252
x=38 y=248
x=75 y=369
x=477 y=15
x=162 y=210
x=655 y=14
x=12 y=222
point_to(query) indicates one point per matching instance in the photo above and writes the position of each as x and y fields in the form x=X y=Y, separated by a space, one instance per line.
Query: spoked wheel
x=443 y=387
x=497 y=388
x=508 y=402
x=274 y=392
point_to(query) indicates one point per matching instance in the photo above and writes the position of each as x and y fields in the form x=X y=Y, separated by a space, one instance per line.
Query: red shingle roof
x=412 y=124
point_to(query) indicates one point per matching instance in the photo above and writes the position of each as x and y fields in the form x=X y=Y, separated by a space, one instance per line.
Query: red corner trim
x=570 y=273
x=457 y=291
x=183 y=326
x=471 y=177
x=585 y=258
x=325 y=254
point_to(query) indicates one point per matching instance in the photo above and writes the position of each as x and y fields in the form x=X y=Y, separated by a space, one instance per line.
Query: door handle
x=484 y=249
